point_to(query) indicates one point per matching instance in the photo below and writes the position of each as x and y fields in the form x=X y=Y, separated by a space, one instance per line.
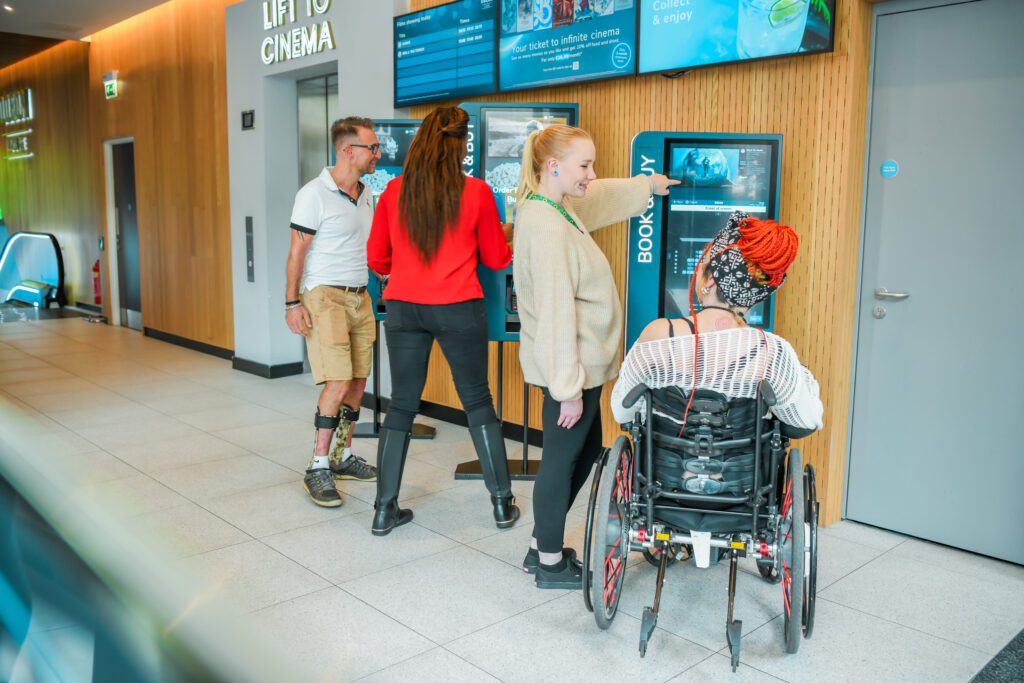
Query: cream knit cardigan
x=568 y=305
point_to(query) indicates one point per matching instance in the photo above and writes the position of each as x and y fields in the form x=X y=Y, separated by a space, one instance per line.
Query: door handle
x=883 y=293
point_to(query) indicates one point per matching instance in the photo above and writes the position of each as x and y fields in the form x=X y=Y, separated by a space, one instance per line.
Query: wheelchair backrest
x=714 y=451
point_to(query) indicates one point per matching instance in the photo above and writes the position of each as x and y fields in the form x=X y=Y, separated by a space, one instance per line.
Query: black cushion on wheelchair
x=791 y=432
x=691 y=520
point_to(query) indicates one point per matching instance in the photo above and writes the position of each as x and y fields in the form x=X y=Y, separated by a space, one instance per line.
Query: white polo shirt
x=340 y=226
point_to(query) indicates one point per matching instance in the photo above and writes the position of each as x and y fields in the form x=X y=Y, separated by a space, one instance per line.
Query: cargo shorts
x=340 y=345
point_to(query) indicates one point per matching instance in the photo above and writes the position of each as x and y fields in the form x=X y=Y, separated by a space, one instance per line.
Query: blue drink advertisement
x=680 y=34
x=445 y=52
x=545 y=42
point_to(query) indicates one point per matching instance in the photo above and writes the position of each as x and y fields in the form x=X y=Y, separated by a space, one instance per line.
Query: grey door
x=937 y=440
x=127 y=235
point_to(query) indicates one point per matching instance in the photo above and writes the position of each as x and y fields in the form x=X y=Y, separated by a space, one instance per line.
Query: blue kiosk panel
x=720 y=173
x=395 y=136
x=497 y=135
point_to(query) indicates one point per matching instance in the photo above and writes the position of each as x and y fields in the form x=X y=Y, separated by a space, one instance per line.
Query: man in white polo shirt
x=326 y=301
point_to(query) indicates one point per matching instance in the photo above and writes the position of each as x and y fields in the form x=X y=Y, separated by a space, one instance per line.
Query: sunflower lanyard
x=561 y=209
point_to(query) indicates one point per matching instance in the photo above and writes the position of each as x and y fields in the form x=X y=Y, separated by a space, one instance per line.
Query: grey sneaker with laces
x=319 y=484
x=354 y=468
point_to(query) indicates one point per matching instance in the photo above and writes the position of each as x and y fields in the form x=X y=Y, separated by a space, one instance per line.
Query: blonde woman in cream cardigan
x=571 y=321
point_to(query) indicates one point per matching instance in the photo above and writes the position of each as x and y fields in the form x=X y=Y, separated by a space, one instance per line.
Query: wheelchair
x=725 y=484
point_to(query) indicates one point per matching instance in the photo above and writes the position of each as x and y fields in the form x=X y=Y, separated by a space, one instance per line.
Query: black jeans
x=461 y=331
x=569 y=456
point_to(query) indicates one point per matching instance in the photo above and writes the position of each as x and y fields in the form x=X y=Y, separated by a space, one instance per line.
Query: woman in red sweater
x=431 y=228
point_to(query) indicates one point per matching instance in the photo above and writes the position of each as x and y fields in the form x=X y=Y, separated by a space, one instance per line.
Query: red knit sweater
x=451 y=276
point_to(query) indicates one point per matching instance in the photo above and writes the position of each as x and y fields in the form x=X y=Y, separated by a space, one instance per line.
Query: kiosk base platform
x=369 y=430
x=471 y=470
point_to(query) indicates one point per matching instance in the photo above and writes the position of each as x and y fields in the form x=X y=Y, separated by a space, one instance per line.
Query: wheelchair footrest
x=733 y=634
x=647 y=624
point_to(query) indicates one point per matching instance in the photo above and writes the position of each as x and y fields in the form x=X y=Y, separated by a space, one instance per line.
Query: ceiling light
x=8 y=8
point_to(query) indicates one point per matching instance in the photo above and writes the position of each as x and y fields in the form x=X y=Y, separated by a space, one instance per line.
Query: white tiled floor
x=206 y=462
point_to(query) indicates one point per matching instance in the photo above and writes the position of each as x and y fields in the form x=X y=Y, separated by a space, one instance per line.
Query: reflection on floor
x=18 y=313
x=207 y=462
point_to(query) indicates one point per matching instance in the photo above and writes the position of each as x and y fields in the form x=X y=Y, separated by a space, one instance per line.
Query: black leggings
x=569 y=456
x=461 y=331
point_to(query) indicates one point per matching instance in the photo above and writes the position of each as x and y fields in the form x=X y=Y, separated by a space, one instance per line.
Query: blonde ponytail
x=549 y=143
x=529 y=175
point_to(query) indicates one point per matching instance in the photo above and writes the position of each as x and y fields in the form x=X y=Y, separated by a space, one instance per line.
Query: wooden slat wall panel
x=55 y=191
x=171 y=62
x=818 y=103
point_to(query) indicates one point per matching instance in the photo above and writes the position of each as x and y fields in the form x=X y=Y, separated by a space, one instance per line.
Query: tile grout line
x=906 y=626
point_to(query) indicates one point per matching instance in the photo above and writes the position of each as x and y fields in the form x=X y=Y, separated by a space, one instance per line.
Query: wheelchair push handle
x=768 y=394
x=634 y=395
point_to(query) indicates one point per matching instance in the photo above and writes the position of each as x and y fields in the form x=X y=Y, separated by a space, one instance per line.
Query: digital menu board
x=680 y=34
x=445 y=52
x=546 y=42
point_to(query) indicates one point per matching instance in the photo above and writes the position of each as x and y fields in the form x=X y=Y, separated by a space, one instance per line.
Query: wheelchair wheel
x=811 y=517
x=611 y=528
x=792 y=551
x=588 y=530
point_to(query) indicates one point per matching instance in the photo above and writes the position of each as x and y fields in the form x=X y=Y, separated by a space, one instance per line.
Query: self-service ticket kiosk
x=394 y=136
x=497 y=136
x=720 y=174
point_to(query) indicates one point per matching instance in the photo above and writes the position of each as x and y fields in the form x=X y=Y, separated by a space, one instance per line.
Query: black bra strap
x=672 y=327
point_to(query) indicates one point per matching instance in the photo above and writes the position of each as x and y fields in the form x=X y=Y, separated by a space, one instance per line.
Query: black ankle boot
x=392 y=447
x=490 y=449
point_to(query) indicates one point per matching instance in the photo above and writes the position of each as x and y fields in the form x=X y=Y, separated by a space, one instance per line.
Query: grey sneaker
x=354 y=468
x=319 y=484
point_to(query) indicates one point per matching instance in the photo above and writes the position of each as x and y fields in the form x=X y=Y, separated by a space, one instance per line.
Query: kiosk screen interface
x=504 y=136
x=679 y=34
x=718 y=178
x=544 y=42
x=445 y=52
x=394 y=139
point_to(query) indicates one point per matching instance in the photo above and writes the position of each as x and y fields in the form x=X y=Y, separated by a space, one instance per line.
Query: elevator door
x=318 y=109
x=127 y=235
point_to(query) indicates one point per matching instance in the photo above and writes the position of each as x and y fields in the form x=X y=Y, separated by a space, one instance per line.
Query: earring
x=705 y=290
x=555 y=172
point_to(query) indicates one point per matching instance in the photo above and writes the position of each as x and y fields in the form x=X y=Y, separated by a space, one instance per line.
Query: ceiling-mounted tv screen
x=446 y=52
x=549 y=42
x=682 y=34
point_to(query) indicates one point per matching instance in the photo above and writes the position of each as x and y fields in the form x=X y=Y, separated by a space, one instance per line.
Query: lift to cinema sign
x=299 y=41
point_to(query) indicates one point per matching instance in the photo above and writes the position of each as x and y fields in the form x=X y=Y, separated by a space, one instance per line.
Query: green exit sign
x=110 y=84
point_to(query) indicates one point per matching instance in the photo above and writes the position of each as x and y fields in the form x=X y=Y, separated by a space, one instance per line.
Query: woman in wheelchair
x=710 y=405
x=733 y=358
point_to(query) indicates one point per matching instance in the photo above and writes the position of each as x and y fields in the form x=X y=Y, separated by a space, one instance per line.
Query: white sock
x=320 y=462
x=348 y=454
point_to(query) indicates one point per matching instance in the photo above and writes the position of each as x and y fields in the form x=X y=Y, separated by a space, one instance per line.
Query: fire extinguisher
x=96 y=283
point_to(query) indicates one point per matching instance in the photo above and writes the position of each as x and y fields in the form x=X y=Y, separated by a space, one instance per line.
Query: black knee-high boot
x=392 y=447
x=490 y=449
